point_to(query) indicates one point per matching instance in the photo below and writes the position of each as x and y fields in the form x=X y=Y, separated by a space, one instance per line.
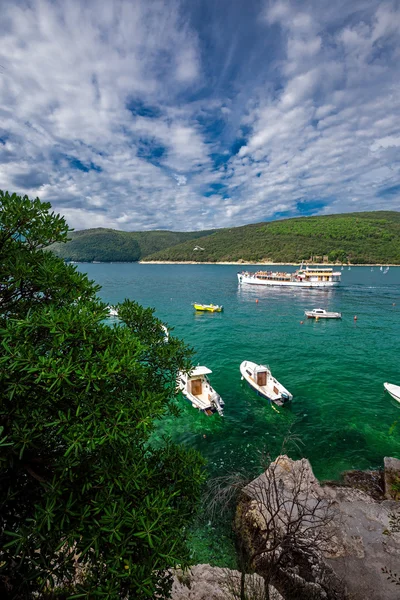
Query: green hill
x=369 y=237
x=109 y=245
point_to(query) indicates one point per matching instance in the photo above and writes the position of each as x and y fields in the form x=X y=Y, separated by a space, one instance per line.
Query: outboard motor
x=217 y=401
x=285 y=397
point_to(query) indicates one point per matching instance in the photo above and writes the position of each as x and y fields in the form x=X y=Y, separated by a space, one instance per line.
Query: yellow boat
x=208 y=307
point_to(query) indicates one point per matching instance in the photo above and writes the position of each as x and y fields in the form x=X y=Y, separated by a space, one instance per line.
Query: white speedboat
x=320 y=313
x=260 y=378
x=196 y=388
x=112 y=312
x=393 y=390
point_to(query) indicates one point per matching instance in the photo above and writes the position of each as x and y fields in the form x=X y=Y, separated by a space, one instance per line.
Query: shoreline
x=242 y=263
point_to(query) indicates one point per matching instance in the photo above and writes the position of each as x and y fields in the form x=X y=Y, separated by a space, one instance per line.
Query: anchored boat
x=393 y=390
x=308 y=277
x=320 y=313
x=208 y=307
x=196 y=388
x=260 y=378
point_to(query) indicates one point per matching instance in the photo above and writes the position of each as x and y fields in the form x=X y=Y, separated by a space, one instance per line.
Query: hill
x=109 y=245
x=368 y=237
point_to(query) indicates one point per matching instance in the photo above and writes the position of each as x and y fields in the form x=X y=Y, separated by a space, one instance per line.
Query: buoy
x=257 y=301
x=394 y=303
x=301 y=322
x=355 y=317
x=204 y=435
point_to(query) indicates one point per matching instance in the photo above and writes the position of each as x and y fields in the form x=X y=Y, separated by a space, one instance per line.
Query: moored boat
x=320 y=313
x=304 y=277
x=260 y=378
x=196 y=388
x=208 y=307
x=393 y=390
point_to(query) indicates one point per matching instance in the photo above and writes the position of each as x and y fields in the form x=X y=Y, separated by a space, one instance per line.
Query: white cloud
x=123 y=114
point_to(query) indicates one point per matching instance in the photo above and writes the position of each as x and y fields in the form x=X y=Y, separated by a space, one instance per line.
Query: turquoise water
x=334 y=369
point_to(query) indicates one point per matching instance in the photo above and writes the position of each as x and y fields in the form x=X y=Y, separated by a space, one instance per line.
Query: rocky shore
x=335 y=540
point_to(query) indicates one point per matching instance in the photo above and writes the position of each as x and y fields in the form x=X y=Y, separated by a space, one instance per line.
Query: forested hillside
x=109 y=245
x=370 y=237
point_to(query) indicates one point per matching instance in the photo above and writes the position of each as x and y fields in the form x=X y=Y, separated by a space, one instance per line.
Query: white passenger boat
x=308 y=277
x=320 y=313
x=196 y=388
x=260 y=378
x=393 y=390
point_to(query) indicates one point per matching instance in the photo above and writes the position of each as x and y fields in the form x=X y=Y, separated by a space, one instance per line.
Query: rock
x=371 y=482
x=392 y=478
x=203 y=582
x=359 y=540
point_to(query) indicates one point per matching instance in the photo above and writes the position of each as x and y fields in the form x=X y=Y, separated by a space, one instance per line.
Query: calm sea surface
x=334 y=369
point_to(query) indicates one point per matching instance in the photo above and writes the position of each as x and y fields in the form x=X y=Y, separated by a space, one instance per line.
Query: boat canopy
x=260 y=369
x=199 y=371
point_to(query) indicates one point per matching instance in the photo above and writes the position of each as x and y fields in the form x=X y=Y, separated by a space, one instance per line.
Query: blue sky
x=185 y=115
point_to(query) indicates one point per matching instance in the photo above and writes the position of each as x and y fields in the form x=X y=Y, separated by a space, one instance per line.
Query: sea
x=340 y=418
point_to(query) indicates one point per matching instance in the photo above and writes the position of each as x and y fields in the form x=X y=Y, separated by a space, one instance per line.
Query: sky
x=199 y=114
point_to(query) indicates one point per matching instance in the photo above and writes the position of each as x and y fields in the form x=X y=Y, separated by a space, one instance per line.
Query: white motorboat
x=320 y=313
x=112 y=312
x=393 y=390
x=196 y=388
x=260 y=378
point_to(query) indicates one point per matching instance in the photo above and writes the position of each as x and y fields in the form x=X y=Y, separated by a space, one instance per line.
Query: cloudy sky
x=195 y=114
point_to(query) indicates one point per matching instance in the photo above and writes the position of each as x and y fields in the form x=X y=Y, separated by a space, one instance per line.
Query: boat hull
x=393 y=390
x=298 y=284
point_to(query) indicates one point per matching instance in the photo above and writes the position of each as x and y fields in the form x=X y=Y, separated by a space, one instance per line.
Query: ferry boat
x=308 y=277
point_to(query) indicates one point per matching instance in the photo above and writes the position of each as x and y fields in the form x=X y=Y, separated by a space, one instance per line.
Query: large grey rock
x=360 y=543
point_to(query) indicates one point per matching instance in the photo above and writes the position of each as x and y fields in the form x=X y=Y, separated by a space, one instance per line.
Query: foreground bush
x=86 y=503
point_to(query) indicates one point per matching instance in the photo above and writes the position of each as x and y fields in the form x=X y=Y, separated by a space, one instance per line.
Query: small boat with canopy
x=321 y=313
x=196 y=388
x=260 y=378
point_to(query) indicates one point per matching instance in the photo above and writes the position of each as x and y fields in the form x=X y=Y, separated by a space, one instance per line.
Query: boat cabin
x=260 y=375
x=197 y=378
x=317 y=275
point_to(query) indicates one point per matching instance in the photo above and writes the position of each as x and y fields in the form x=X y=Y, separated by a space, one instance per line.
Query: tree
x=88 y=504
x=292 y=525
